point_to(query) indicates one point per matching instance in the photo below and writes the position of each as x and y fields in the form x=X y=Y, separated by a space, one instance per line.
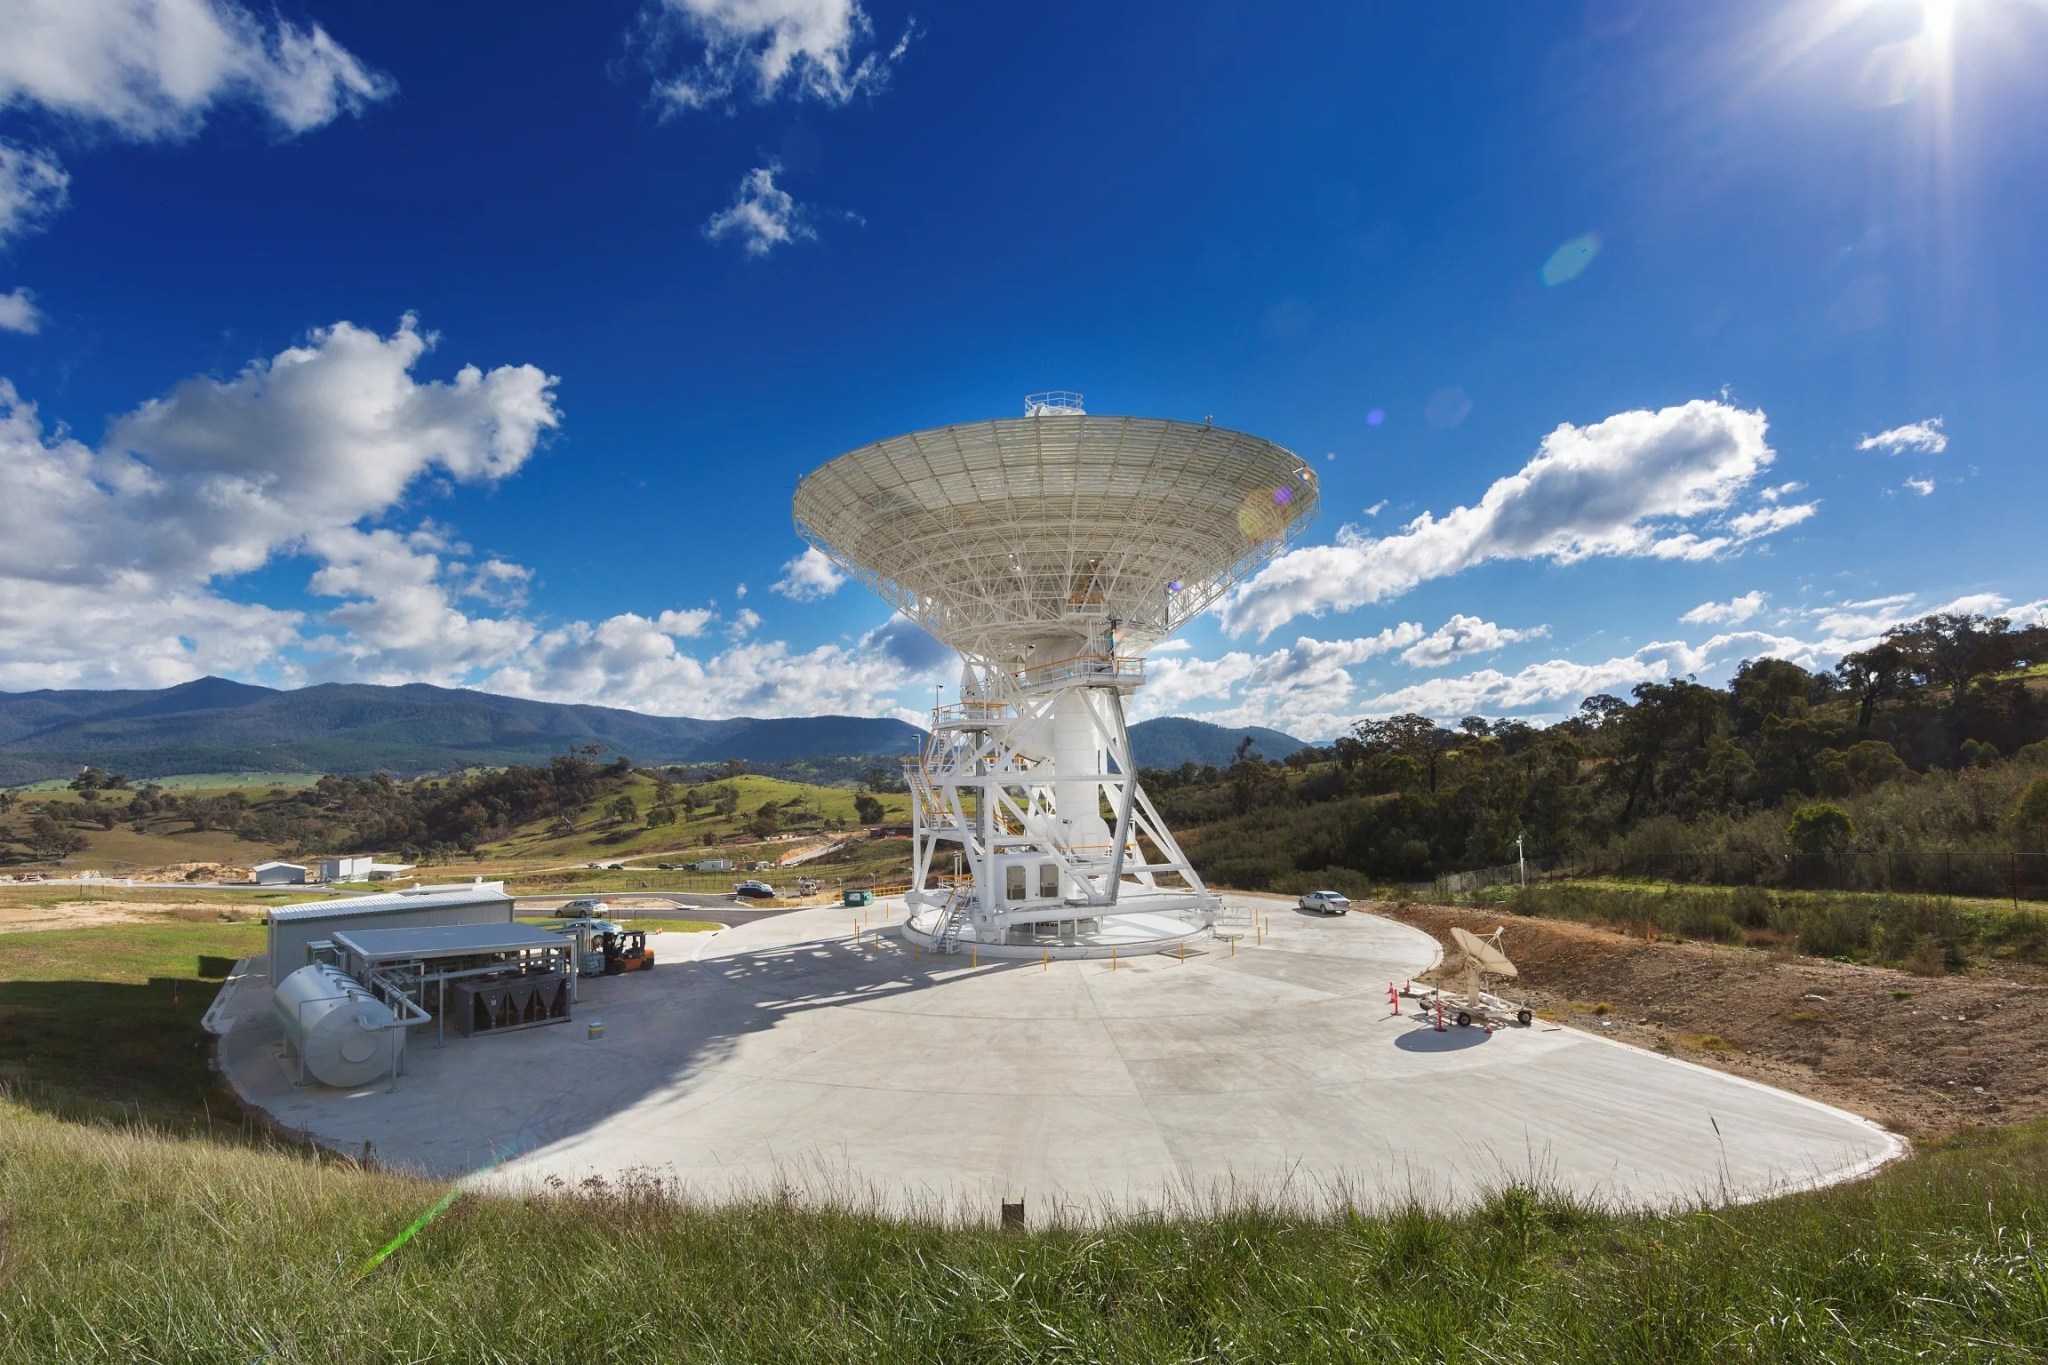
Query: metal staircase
x=952 y=917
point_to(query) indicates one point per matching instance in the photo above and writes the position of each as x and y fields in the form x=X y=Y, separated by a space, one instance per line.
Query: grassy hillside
x=131 y=828
x=105 y=1021
x=127 y=1244
x=801 y=808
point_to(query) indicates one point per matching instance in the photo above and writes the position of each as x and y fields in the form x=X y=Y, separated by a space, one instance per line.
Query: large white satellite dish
x=1051 y=550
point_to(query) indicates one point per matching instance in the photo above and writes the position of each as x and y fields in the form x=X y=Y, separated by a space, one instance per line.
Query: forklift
x=624 y=950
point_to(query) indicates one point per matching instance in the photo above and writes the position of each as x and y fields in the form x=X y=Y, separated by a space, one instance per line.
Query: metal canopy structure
x=1051 y=550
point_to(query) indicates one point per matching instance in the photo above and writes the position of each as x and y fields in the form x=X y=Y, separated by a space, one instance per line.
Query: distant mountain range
x=214 y=725
x=1173 y=740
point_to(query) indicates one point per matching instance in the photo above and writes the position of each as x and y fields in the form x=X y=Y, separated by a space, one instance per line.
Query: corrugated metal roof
x=444 y=940
x=342 y=907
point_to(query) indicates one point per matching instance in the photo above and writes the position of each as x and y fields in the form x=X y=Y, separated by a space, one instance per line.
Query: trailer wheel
x=1524 y=1017
x=1464 y=1019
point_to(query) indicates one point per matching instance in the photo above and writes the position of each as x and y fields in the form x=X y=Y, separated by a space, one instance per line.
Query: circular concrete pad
x=789 y=1053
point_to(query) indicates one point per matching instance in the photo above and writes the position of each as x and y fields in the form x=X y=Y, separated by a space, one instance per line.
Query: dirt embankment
x=1920 y=1055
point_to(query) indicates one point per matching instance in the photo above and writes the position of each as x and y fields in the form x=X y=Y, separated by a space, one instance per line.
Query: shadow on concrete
x=671 y=1026
x=1452 y=1039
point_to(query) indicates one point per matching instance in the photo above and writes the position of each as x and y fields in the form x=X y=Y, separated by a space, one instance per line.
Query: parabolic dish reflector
x=993 y=535
x=1482 y=954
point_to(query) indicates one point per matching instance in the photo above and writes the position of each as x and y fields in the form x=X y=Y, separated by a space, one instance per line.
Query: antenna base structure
x=1051 y=551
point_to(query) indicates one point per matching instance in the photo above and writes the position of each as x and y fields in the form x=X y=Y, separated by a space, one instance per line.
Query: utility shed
x=293 y=928
x=346 y=868
x=279 y=874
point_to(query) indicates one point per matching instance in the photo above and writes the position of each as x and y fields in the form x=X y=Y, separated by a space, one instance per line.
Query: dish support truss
x=1026 y=798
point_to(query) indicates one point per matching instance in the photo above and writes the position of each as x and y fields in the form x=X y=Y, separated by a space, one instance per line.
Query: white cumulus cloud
x=811 y=49
x=1921 y=486
x=1462 y=636
x=220 y=477
x=1658 y=484
x=1926 y=437
x=1734 y=611
x=809 y=577
x=152 y=69
x=18 y=313
x=761 y=215
x=33 y=186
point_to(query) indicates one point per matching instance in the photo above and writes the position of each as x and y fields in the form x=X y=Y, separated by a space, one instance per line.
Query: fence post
x=1948 y=873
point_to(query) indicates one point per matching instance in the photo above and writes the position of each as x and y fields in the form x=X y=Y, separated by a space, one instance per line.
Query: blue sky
x=485 y=344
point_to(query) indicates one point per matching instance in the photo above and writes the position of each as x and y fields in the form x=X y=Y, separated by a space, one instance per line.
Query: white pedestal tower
x=1052 y=551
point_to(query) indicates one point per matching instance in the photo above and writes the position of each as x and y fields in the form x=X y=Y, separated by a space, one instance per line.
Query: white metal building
x=294 y=928
x=349 y=867
x=279 y=874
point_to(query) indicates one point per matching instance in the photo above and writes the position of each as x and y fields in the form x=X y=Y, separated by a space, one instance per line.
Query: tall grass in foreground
x=121 y=1244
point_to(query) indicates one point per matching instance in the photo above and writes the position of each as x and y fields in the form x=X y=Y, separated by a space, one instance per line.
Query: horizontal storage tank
x=345 y=1035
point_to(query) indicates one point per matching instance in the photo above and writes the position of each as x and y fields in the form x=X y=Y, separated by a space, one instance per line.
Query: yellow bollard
x=1112 y=959
x=973 y=957
x=1045 y=960
x=1183 y=952
x=1233 y=945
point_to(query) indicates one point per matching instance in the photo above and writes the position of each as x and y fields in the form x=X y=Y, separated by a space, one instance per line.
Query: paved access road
x=808 y=1051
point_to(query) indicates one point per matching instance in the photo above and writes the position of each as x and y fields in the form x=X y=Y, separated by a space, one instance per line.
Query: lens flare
x=1263 y=513
x=1375 y=417
x=1570 y=260
x=1447 y=407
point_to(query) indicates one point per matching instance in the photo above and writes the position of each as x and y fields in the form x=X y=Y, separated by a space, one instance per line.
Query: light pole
x=1521 y=863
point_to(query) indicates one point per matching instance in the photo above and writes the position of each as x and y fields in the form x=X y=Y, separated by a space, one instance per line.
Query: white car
x=1325 y=902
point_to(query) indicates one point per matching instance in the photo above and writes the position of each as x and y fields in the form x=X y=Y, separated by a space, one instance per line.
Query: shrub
x=1750 y=906
x=1820 y=828
x=2030 y=812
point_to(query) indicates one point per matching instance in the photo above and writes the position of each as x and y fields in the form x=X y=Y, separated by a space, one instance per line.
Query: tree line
x=1936 y=736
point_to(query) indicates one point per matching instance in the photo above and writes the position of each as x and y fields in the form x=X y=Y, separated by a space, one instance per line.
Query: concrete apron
x=817 y=1055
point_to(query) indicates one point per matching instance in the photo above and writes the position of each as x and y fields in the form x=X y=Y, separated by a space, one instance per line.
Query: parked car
x=666 y=867
x=1326 y=902
x=755 y=891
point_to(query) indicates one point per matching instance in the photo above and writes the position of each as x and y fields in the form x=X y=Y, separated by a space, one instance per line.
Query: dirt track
x=90 y=914
x=1920 y=1055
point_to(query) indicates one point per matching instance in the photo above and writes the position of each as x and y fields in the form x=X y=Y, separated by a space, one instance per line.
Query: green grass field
x=105 y=1021
x=141 y=1220
x=125 y=1244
